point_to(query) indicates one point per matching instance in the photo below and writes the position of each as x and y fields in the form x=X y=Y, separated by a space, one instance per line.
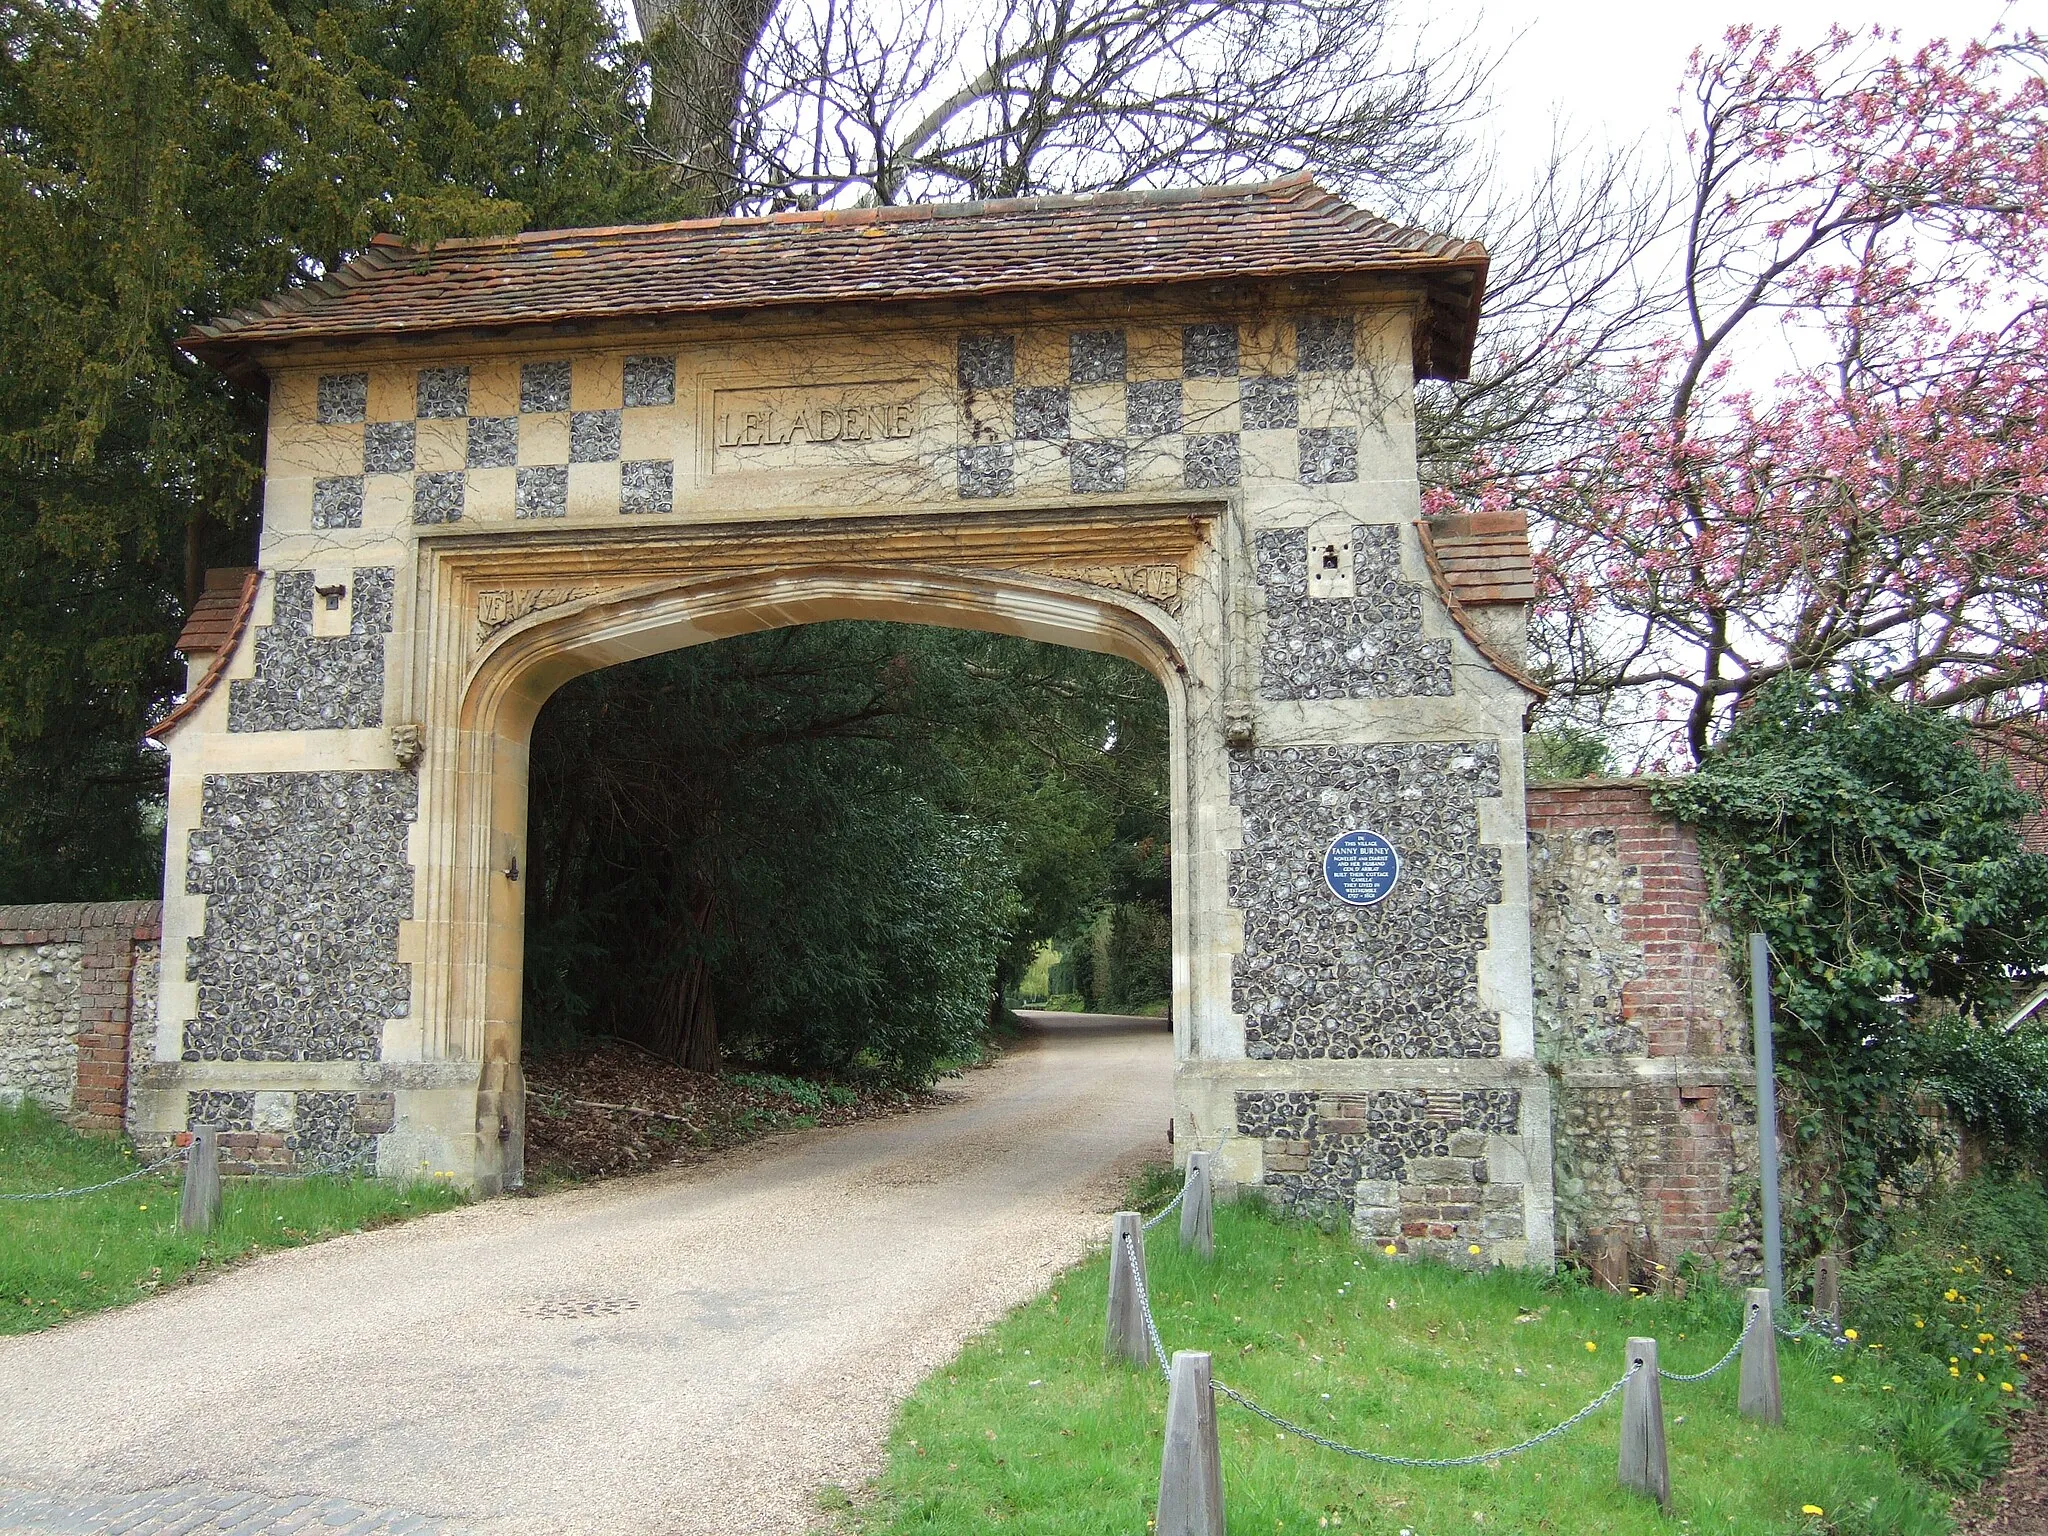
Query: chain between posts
x=1383 y=1459
x=1180 y=1195
x=1806 y=1330
x=93 y=1189
x=1171 y=1206
x=319 y=1169
x=1145 y=1307
x=1721 y=1364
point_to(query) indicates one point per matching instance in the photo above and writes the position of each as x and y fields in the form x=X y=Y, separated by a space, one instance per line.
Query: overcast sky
x=1614 y=69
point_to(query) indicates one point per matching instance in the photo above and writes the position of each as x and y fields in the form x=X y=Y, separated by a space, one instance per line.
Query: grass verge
x=1030 y=1431
x=63 y=1258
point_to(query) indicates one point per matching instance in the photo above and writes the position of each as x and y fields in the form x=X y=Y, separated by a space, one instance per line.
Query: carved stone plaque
x=791 y=426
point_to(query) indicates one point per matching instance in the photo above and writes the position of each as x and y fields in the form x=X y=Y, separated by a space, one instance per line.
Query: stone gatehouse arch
x=468 y=994
x=1175 y=426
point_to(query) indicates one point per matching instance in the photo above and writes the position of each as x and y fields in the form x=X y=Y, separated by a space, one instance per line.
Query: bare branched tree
x=840 y=103
x=1575 y=278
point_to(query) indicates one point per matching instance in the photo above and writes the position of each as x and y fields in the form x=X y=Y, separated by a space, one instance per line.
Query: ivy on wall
x=1879 y=851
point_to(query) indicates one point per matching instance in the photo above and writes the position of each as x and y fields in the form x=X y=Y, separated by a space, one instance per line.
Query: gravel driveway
x=697 y=1351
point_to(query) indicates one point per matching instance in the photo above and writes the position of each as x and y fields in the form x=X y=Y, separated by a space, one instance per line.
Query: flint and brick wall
x=1640 y=1020
x=73 y=976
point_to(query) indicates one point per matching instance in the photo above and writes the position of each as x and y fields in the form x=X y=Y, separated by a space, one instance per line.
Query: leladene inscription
x=822 y=418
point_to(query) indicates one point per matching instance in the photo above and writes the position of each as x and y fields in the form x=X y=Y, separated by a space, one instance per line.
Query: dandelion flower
x=1986 y=1338
x=1919 y=1322
x=1812 y=1509
x=2005 y=1386
x=1474 y=1249
x=1591 y=1346
x=1391 y=1250
x=1953 y=1371
x=1836 y=1380
x=1849 y=1333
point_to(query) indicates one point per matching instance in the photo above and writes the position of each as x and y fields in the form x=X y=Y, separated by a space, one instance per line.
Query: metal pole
x=1767 y=1117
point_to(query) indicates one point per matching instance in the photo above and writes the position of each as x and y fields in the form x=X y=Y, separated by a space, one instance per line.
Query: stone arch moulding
x=502 y=621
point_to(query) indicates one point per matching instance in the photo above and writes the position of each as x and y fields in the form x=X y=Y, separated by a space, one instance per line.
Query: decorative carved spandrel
x=1158 y=584
x=498 y=606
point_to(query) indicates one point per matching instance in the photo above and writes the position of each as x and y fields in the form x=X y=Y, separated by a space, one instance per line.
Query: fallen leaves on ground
x=669 y=1115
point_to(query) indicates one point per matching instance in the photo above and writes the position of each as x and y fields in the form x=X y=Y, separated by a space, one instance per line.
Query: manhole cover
x=579 y=1306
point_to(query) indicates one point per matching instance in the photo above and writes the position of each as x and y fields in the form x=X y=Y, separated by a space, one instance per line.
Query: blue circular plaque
x=1361 y=868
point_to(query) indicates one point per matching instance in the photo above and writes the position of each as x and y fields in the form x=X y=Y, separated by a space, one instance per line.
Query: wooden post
x=1644 y=1466
x=1191 y=1470
x=1127 y=1339
x=1610 y=1261
x=1758 y=1397
x=1197 y=1208
x=200 y=1203
x=1827 y=1290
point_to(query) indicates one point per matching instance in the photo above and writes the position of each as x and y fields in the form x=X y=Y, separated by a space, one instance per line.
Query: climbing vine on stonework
x=1879 y=851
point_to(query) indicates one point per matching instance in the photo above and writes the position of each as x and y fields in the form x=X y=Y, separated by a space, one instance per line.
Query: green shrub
x=1563 y=752
x=1936 y=1309
x=1995 y=1081
x=797 y=1090
x=1880 y=854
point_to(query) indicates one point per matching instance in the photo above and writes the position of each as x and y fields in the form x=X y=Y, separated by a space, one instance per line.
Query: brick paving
x=193 y=1509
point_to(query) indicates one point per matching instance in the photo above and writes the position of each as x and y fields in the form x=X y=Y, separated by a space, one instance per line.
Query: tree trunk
x=683 y=1024
x=699 y=51
x=195 y=557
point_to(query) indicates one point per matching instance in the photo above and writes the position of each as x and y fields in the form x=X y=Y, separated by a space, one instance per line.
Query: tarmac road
x=697 y=1351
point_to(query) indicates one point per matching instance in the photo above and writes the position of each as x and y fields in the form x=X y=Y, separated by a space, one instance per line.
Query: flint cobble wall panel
x=306 y=881
x=1367 y=646
x=1406 y=1166
x=1318 y=978
x=309 y=682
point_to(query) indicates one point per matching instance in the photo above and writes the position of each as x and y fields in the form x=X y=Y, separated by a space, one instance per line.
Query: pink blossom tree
x=1832 y=458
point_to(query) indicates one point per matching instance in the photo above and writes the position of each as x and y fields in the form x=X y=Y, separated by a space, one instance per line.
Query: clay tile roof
x=213 y=623
x=1285 y=229
x=1484 y=557
x=1479 y=558
x=215 y=626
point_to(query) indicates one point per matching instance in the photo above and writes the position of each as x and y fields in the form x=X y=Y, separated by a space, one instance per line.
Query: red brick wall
x=1678 y=1003
x=1654 y=1141
x=107 y=933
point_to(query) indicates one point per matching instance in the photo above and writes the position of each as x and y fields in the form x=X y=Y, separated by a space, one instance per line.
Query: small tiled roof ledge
x=1497 y=526
x=217 y=623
